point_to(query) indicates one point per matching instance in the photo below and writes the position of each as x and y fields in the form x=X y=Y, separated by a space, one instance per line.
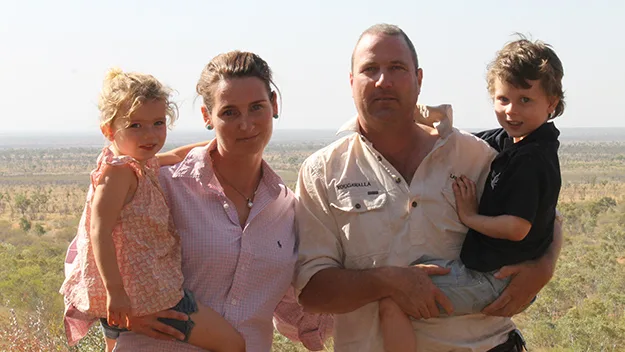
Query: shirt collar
x=198 y=164
x=444 y=127
x=546 y=132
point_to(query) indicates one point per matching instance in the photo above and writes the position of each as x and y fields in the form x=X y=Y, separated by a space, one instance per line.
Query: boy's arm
x=109 y=197
x=507 y=227
x=175 y=156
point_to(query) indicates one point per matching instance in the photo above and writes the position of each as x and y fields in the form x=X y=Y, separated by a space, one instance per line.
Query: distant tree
x=39 y=230
x=39 y=201
x=25 y=224
x=22 y=203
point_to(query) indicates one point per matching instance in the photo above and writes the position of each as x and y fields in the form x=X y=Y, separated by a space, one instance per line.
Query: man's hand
x=415 y=293
x=528 y=278
x=149 y=325
x=466 y=198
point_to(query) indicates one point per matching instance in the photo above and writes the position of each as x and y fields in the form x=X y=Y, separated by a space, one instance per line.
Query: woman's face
x=242 y=115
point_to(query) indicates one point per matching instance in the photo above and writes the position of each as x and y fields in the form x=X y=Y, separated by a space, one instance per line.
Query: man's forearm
x=553 y=252
x=339 y=291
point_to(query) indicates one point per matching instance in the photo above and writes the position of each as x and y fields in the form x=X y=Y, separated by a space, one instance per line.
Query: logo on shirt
x=352 y=184
x=494 y=178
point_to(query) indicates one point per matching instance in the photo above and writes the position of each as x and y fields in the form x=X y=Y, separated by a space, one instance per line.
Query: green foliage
x=25 y=224
x=39 y=230
x=581 y=309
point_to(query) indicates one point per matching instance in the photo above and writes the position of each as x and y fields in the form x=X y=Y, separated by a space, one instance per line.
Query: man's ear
x=419 y=80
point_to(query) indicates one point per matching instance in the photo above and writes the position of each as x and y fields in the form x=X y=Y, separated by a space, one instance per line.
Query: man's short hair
x=392 y=30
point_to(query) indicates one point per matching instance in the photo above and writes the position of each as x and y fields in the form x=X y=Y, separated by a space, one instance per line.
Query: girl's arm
x=175 y=156
x=114 y=188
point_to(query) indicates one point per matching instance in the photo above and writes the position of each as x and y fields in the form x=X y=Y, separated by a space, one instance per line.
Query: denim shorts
x=187 y=305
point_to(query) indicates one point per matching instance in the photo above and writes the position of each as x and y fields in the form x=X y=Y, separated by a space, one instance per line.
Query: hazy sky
x=54 y=54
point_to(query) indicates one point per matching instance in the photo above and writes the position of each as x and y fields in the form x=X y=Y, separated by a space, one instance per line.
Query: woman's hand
x=149 y=325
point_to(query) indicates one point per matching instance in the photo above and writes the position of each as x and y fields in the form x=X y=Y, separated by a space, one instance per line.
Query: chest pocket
x=455 y=230
x=363 y=219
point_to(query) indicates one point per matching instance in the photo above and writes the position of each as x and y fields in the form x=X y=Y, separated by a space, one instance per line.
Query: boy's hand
x=118 y=309
x=466 y=198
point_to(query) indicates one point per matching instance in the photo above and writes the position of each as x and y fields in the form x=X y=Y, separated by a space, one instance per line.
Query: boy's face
x=521 y=111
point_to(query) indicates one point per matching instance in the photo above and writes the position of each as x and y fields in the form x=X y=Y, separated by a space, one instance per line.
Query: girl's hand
x=466 y=198
x=118 y=310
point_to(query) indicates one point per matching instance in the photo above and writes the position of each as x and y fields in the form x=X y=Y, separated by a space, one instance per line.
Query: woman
x=235 y=218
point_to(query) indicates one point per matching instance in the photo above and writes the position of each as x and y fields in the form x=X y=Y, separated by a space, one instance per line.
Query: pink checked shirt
x=242 y=273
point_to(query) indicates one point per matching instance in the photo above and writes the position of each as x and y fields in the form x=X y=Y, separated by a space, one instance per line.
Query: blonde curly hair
x=124 y=92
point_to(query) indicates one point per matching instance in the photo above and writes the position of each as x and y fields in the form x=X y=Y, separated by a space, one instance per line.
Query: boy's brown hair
x=523 y=60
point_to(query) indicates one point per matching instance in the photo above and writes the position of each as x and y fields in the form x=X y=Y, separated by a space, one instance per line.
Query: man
x=374 y=201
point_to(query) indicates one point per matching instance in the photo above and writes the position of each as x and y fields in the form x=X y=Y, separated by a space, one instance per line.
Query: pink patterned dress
x=147 y=249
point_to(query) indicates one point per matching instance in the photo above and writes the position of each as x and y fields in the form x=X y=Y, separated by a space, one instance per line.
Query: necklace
x=250 y=200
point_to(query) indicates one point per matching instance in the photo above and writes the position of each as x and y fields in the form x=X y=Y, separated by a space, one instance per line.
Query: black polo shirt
x=524 y=181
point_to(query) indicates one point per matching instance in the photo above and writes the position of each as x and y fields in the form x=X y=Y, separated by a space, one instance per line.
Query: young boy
x=515 y=217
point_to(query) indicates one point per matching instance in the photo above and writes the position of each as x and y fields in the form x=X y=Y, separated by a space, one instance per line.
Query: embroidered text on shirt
x=353 y=184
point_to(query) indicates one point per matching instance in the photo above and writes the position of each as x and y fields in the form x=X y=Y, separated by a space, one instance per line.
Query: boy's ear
x=554 y=103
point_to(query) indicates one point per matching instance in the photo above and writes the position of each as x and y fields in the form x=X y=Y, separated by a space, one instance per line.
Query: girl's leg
x=213 y=332
x=396 y=328
x=110 y=344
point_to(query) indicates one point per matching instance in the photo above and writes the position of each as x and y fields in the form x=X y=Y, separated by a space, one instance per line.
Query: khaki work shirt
x=355 y=211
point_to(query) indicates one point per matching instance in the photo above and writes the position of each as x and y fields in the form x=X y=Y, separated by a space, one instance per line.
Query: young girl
x=128 y=260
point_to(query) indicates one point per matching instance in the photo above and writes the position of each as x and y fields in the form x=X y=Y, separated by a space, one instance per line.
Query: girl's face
x=143 y=134
x=242 y=115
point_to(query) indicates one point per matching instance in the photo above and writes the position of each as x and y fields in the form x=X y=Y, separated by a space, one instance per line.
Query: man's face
x=385 y=84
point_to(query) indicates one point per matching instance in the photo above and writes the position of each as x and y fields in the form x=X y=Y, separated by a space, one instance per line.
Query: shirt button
x=398 y=180
x=357 y=206
x=414 y=204
x=379 y=158
x=233 y=302
x=226 y=206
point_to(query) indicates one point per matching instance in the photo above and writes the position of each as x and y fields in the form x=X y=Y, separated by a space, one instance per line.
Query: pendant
x=250 y=203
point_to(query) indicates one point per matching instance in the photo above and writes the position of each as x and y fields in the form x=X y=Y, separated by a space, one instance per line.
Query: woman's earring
x=209 y=126
x=275 y=116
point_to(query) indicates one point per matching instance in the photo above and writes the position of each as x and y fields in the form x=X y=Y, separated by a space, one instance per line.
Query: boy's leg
x=397 y=331
x=205 y=328
x=470 y=291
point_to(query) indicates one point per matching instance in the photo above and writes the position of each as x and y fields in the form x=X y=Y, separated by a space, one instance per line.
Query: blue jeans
x=186 y=305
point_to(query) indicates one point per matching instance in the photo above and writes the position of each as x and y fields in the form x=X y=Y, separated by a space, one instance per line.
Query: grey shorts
x=187 y=305
x=468 y=290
